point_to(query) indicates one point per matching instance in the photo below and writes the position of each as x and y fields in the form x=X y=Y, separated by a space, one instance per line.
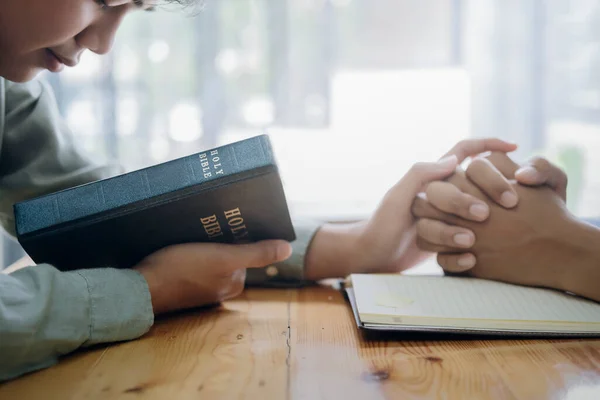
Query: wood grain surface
x=303 y=344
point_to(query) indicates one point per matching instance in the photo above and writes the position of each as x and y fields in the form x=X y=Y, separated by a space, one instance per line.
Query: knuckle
x=456 y=204
x=447 y=262
x=423 y=226
x=496 y=157
x=419 y=168
x=464 y=143
x=476 y=166
x=550 y=169
x=560 y=173
x=425 y=245
x=483 y=173
x=273 y=254
x=541 y=163
x=457 y=178
x=267 y=254
x=446 y=234
x=423 y=209
x=442 y=260
x=431 y=190
x=444 y=197
x=463 y=147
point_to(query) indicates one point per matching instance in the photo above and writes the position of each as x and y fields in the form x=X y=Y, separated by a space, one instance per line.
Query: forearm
x=333 y=252
x=45 y=313
x=582 y=276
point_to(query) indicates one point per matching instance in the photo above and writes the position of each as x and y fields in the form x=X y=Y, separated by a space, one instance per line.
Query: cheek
x=40 y=24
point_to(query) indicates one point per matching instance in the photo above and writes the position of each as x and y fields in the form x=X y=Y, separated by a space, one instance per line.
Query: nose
x=99 y=36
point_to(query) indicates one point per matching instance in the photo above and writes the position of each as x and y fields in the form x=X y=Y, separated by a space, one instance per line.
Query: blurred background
x=353 y=92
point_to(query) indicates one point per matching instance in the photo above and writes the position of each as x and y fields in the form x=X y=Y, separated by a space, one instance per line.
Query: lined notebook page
x=446 y=297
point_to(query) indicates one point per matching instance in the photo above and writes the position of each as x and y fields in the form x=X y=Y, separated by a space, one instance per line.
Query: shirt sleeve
x=38 y=154
x=45 y=313
x=289 y=273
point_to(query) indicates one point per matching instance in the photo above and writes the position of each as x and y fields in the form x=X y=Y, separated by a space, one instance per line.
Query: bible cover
x=229 y=194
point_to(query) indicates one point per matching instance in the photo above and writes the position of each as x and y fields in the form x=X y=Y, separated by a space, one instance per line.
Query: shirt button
x=272 y=271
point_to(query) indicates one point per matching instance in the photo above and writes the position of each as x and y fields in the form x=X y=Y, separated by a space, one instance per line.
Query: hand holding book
x=197 y=274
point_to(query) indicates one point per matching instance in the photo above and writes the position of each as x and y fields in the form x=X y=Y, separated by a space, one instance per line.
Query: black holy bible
x=229 y=194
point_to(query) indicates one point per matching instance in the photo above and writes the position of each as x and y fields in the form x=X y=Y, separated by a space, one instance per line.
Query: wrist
x=157 y=297
x=580 y=273
x=334 y=251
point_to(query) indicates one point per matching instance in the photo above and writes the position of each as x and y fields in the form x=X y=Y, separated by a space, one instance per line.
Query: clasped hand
x=521 y=242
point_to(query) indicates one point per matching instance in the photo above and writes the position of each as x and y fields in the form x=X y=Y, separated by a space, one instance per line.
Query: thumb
x=422 y=173
x=540 y=171
x=259 y=254
x=397 y=202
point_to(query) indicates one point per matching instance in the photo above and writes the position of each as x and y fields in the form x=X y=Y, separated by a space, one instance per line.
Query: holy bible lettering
x=205 y=163
x=235 y=222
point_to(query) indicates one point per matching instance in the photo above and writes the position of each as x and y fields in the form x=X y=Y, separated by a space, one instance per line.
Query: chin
x=21 y=75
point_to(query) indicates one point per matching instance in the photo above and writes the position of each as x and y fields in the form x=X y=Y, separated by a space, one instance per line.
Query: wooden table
x=303 y=344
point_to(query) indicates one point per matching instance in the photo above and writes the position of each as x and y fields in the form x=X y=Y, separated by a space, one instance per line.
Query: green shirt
x=45 y=313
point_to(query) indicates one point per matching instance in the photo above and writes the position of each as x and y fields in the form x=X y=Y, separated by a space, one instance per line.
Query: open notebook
x=467 y=305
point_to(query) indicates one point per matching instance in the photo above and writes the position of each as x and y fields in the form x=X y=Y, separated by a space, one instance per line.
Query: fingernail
x=284 y=251
x=480 y=211
x=463 y=239
x=529 y=173
x=467 y=261
x=509 y=199
x=448 y=161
